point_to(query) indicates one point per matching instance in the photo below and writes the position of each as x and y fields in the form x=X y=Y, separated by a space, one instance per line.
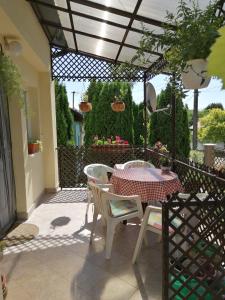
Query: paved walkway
x=59 y=264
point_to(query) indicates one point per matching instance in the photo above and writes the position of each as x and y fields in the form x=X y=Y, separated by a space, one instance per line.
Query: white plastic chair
x=152 y=221
x=114 y=209
x=96 y=173
x=138 y=164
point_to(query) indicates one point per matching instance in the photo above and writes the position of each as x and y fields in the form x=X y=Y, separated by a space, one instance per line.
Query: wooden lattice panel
x=73 y=159
x=194 y=177
x=74 y=66
x=194 y=247
x=219 y=159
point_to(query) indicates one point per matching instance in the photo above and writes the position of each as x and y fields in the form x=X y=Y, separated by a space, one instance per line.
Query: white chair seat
x=122 y=208
x=114 y=209
x=155 y=220
x=137 y=164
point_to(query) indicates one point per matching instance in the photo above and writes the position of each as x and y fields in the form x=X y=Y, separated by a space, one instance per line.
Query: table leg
x=144 y=205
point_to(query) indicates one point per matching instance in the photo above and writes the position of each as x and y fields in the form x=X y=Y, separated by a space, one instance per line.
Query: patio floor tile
x=61 y=264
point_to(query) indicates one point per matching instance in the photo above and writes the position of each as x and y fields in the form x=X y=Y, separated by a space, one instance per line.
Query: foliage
x=160 y=124
x=214 y=105
x=192 y=33
x=216 y=59
x=139 y=127
x=85 y=98
x=104 y=122
x=2 y=246
x=196 y=156
x=34 y=141
x=164 y=160
x=10 y=79
x=110 y=141
x=93 y=92
x=213 y=126
x=64 y=118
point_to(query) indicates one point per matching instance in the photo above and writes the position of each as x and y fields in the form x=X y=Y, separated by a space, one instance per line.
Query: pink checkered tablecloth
x=149 y=183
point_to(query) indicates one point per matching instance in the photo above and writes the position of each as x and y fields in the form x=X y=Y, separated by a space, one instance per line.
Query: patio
x=59 y=263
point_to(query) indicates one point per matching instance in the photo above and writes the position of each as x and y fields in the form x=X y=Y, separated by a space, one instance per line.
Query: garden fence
x=193 y=227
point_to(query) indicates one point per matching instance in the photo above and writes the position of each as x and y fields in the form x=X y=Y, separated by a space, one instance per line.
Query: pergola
x=108 y=30
x=89 y=39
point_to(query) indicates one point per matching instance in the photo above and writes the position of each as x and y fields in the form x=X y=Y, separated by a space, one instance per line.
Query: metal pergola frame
x=67 y=60
x=36 y=4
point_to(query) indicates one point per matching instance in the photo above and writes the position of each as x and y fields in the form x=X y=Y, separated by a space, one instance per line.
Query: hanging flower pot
x=118 y=105
x=194 y=75
x=84 y=105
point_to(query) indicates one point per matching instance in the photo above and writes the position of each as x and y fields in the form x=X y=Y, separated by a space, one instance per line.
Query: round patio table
x=150 y=184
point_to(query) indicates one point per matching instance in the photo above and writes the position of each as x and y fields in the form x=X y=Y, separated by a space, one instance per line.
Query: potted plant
x=84 y=105
x=10 y=78
x=110 y=144
x=3 y=277
x=165 y=163
x=186 y=43
x=34 y=146
x=118 y=105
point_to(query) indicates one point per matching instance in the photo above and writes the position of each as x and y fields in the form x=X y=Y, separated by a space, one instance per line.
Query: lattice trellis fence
x=194 y=247
x=73 y=159
x=73 y=66
x=194 y=177
x=193 y=225
x=219 y=159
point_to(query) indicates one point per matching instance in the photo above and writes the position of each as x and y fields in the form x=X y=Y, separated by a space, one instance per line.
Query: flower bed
x=111 y=147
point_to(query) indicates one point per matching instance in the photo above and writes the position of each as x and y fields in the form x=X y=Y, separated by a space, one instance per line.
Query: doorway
x=7 y=184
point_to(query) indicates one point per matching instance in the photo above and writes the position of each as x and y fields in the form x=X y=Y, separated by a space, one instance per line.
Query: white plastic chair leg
x=159 y=238
x=89 y=202
x=109 y=238
x=146 y=238
x=139 y=243
x=95 y=217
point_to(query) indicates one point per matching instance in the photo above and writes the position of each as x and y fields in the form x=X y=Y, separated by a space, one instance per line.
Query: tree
x=64 y=118
x=160 y=124
x=93 y=93
x=139 y=127
x=104 y=122
x=214 y=105
x=125 y=120
x=213 y=126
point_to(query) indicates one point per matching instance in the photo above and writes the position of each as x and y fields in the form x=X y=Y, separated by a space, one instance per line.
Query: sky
x=213 y=93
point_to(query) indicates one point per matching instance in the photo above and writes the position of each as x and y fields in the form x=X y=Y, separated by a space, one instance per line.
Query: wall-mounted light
x=13 y=46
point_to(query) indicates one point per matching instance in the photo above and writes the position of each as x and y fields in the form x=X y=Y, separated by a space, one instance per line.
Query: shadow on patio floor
x=60 y=264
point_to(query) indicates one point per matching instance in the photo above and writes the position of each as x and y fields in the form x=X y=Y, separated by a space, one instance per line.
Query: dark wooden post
x=173 y=117
x=73 y=98
x=195 y=121
x=145 y=116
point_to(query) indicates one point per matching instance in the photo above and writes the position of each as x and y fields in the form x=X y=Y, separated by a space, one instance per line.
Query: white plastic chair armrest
x=94 y=179
x=153 y=208
x=115 y=197
x=105 y=186
x=148 y=210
